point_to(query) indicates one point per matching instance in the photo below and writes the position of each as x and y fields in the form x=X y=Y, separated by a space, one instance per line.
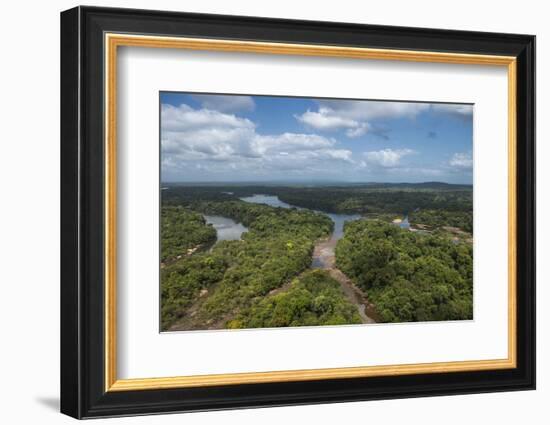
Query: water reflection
x=226 y=228
x=271 y=200
x=274 y=201
x=339 y=221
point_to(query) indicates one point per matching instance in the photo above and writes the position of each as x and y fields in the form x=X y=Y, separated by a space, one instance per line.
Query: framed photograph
x=261 y=212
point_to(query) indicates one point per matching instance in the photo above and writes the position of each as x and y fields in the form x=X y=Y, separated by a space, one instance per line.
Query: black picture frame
x=83 y=392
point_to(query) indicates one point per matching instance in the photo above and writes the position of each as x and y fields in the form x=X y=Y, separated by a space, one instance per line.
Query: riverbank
x=324 y=258
x=199 y=314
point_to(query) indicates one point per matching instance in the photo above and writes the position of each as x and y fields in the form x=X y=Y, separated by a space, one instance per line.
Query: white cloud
x=363 y=128
x=325 y=119
x=459 y=111
x=200 y=134
x=206 y=144
x=289 y=142
x=356 y=116
x=220 y=142
x=184 y=118
x=386 y=158
x=225 y=103
x=371 y=110
x=461 y=161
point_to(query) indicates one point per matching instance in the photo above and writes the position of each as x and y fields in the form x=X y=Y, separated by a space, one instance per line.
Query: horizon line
x=312 y=182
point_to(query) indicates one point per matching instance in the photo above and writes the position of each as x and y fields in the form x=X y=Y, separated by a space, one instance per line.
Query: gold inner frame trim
x=113 y=41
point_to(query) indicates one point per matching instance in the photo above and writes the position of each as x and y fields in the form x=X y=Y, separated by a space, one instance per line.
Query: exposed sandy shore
x=324 y=258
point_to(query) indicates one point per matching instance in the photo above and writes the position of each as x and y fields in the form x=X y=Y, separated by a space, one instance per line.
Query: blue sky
x=216 y=138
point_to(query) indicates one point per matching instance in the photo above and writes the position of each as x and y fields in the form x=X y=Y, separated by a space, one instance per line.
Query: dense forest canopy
x=181 y=230
x=313 y=299
x=409 y=277
x=452 y=204
x=265 y=279
x=440 y=218
x=234 y=276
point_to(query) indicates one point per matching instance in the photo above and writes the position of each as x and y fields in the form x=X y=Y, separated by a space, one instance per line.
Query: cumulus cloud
x=459 y=111
x=226 y=103
x=355 y=117
x=325 y=119
x=461 y=161
x=371 y=110
x=289 y=142
x=358 y=131
x=200 y=134
x=386 y=158
x=219 y=142
x=215 y=142
x=184 y=118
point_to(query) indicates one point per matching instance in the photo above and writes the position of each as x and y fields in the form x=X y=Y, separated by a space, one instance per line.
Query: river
x=323 y=253
x=226 y=228
x=274 y=201
x=323 y=257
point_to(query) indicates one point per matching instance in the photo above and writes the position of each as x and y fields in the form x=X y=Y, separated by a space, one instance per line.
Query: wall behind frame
x=29 y=219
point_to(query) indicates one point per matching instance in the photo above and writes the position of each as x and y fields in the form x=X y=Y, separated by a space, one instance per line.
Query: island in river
x=249 y=256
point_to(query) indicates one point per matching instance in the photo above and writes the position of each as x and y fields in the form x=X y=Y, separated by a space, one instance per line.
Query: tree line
x=182 y=229
x=408 y=277
x=431 y=204
x=230 y=285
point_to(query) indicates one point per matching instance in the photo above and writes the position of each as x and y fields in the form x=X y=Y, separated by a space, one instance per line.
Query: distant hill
x=369 y=185
x=424 y=185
